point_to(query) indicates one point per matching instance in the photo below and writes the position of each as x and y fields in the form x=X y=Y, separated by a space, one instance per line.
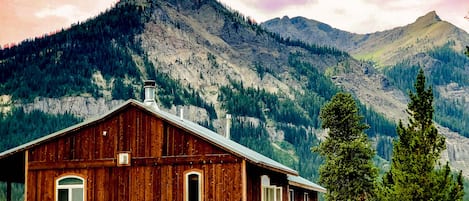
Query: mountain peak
x=428 y=19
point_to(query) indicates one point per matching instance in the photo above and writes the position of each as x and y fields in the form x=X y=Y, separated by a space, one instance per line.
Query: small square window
x=123 y=159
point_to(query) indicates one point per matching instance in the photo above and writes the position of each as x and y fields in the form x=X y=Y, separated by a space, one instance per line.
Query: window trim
x=291 y=194
x=200 y=174
x=65 y=176
x=306 y=196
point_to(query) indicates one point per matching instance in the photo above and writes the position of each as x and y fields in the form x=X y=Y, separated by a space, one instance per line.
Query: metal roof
x=217 y=139
x=304 y=183
x=209 y=135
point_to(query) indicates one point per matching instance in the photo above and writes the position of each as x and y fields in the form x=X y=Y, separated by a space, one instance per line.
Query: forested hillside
x=200 y=54
x=449 y=75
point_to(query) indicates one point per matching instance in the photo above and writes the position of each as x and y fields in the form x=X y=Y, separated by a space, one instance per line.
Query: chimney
x=150 y=94
x=228 y=126
x=181 y=114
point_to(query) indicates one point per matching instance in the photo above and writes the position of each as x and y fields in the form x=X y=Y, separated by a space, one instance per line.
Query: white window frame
x=69 y=187
x=306 y=197
x=186 y=184
x=291 y=195
x=265 y=186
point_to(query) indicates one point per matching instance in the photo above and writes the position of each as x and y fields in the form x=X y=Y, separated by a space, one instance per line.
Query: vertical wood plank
x=140 y=183
x=218 y=182
x=98 y=138
x=210 y=181
x=99 y=183
x=157 y=187
x=114 y=184
x=148 y=175
x=60 y=150
x=66 y=149
x=170 y=189
x=88 y=144
x=149 y=136
x=120 y=139
x=243 y=180
x=49 y=180
x=93 y=138
x=131 y=132
x=158 y=124
x=39 y=186
x=133 y=184
x=26 y=174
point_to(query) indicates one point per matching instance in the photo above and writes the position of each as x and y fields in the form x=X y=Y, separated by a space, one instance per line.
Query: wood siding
x=254 y=174
x=299 y=194
x=160 y=154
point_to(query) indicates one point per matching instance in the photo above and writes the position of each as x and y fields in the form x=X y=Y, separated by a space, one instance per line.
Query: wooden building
x=137 y=152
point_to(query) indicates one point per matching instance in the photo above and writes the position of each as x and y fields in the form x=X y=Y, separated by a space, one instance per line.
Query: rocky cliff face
x=84 y=107
x=457 y=150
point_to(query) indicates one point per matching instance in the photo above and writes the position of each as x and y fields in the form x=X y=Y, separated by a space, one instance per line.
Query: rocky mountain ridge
x=385 y=47
x=204 y=48
x=202 y=56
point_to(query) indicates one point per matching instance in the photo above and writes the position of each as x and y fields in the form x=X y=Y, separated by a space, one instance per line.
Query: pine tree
x=348 y=172
x=415 y=155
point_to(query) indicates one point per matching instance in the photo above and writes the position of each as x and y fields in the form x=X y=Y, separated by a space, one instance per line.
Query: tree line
x=18 y=127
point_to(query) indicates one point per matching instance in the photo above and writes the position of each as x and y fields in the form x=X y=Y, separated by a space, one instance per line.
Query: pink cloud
x=22 y=19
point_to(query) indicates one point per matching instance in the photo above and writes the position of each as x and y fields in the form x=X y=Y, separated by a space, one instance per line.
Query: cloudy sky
x=21 y=19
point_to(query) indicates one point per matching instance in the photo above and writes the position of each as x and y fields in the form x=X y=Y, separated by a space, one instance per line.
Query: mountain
x=397 y=54
x=205 y=58
x=386 y=47
x=312 y=31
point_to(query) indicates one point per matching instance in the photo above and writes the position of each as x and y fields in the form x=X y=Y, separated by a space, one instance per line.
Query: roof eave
x=321 y=190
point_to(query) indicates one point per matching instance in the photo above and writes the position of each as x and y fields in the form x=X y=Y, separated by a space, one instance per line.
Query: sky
x=22 y=19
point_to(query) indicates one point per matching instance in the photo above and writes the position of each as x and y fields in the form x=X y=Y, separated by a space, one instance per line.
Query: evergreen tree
x=415 y=154
x=348 y=172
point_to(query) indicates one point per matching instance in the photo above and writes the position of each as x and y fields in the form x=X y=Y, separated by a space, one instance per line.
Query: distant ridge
x=385 y=47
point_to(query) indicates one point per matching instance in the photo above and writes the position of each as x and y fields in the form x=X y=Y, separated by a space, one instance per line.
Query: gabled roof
x=200 y=131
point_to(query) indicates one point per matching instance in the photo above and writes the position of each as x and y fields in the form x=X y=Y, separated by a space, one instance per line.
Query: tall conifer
x=415 y=155
x=348 y=172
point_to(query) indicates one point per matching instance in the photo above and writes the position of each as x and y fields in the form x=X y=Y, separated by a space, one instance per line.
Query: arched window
x=193 y=183
x=70 y=188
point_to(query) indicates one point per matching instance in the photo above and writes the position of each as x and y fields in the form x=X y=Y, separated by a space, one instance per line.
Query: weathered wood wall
x=160 y=152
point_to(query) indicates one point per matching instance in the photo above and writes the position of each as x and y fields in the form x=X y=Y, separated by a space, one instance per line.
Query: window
x=291 y=195
x=270 y=192
x=193 y=186
x=123 y=159
x=70 y=188
x=306 y=197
